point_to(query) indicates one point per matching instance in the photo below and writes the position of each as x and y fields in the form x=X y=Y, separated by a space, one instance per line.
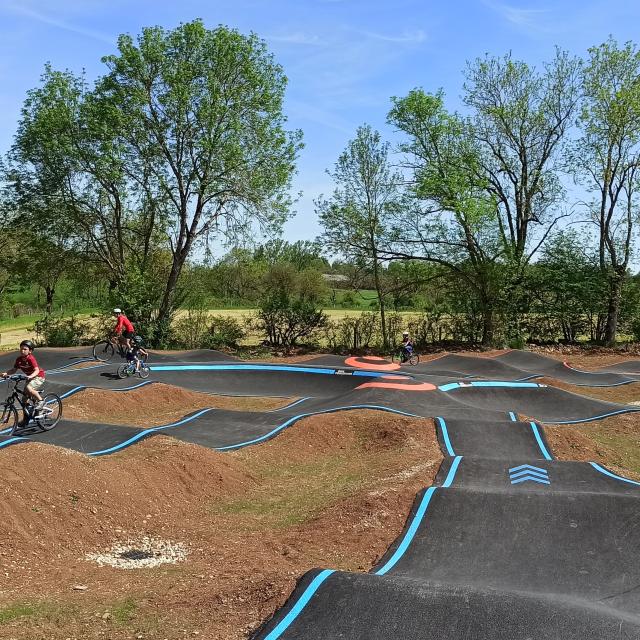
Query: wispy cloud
x=406 y=37
x=298 y=37
x=521 y=17
x=54 y=22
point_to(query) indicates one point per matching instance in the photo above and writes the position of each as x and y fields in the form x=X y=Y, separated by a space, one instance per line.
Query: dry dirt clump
x=156 y=404
x=331 y=491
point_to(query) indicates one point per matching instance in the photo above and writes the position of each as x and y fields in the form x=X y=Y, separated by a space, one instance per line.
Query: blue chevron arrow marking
x=527 y=472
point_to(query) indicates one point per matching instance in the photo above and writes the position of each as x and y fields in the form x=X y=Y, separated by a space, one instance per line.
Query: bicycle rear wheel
x=125 y=370
x=50 y=414
x=8 y=419
x=103 y=350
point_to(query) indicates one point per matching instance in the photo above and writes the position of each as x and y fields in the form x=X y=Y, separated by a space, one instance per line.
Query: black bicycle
x=106 y=349
x=401 y=356
x=18 y=413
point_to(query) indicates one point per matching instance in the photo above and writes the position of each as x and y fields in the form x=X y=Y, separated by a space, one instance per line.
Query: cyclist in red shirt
x=27 y=363
x=124 y=328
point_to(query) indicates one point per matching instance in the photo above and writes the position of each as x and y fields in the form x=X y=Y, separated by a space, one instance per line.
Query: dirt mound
x=156 y=404
x=333 y=490
x=624 y=393
x=614 y=442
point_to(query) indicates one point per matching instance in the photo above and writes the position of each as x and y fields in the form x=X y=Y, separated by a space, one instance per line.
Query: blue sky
x=344 y=58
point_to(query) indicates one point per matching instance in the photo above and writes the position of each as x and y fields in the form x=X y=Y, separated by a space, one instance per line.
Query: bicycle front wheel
x=8 y=419
x=414 y=359
x=144 y=370
x=103 y=350
x=50 y=414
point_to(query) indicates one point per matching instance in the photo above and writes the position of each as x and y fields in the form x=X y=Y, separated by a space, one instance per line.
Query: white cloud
x=521 y=17
x=406 y=37
x=27 y=12
x=297 y=38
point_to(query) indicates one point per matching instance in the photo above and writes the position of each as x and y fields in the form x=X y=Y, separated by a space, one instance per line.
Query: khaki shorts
x=36 y=384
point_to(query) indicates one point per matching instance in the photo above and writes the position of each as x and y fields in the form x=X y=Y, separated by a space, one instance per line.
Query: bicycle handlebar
x=17 y=377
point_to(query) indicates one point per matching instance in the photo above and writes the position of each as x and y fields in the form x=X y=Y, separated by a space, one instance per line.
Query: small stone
x=80 y=587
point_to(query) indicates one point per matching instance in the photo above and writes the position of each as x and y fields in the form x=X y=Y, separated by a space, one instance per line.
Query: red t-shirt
x=28 y=364
x=123 y=323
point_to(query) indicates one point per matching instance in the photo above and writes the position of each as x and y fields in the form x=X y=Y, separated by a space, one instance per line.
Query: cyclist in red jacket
x=27 y=363
x=124 y=328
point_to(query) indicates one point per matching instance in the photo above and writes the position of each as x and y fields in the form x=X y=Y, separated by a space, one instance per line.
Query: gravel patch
x=140 y=554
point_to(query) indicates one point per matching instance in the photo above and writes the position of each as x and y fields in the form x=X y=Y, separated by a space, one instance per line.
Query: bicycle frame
x=18 y=396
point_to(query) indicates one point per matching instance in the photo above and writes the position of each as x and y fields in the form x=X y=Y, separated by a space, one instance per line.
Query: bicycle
x=44 y=418
x=129 y=369
x=104 y=350
x=400 y=356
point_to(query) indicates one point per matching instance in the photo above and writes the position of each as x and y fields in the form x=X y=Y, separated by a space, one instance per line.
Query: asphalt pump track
x=508 y=543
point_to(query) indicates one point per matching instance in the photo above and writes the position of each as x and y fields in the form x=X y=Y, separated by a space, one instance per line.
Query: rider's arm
x=35 y=374
x=9 y=372
x=119 y=326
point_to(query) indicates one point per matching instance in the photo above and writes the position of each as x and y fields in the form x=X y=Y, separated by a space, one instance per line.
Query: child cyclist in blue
x=137 y=352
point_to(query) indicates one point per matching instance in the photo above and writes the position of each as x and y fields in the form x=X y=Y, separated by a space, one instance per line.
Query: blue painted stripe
x=291 y=404
x=146 y=432
x=4 y=443
x=533 y=474
x=68 y=370
x=513 y=416
x=81 y=387
x=604 y=415
x=240 y=367
x=410 y=534
x=543 y=449
x=532 y=479
x=299 y=605
x=445 y=436
x=489 y=383
x=452 y=471
x=66 y=394
x=379 y=374
x=528 y=467
x=290 y=421
x=606 y=472
x=417 y=519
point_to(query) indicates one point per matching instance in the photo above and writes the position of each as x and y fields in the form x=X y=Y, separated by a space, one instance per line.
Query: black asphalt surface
x=508 y=544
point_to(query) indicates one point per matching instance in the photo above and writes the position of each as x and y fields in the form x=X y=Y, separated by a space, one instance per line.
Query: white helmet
x=405 y=333
x=117 y=310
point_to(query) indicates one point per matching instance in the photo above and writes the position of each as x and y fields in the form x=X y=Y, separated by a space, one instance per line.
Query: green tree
x=520 y=119
x=454 y=222
x=356 y=217
x=606 y=159
x=203 y=110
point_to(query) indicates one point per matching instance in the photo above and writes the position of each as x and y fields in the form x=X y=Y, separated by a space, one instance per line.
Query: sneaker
x=39 y=405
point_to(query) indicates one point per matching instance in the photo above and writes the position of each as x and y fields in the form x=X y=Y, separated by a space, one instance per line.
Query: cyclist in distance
x=124 y=329
x=27 y=363
x=407 y=345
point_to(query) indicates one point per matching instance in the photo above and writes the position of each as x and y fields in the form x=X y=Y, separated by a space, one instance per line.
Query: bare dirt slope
x=332 y=491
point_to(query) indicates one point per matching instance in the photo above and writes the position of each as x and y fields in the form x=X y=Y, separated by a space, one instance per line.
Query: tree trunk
x=487 y=325
x=49 y=291
x=613 y=310
x=383 y=320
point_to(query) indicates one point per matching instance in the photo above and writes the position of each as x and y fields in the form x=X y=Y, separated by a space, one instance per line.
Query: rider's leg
x=33 y=389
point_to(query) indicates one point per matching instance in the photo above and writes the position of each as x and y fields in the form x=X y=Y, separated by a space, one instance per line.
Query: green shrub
x=61 y=332
x=224 y=332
